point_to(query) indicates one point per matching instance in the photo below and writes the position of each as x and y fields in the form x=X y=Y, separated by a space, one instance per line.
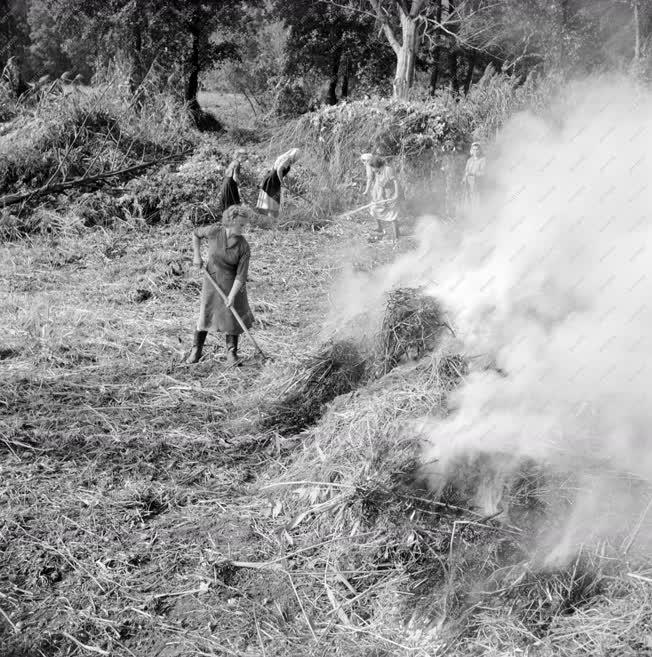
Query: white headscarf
x=287 y=158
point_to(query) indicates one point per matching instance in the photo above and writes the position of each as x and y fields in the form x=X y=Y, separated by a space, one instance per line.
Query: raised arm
x=370 y=178
x=282 y=171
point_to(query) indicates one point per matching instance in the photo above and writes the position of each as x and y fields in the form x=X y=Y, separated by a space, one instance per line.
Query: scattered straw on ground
x=142 y=513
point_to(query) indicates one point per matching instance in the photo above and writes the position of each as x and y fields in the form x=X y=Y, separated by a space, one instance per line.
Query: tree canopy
x=342 y=45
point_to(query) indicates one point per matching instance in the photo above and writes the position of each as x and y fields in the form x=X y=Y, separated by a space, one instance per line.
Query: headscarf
x=286 y=159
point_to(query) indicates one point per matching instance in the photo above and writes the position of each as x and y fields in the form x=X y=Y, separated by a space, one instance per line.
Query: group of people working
x=227 y=262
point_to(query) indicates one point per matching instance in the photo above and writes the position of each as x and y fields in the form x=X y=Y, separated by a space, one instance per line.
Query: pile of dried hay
x=412 y=326
x=337 y=369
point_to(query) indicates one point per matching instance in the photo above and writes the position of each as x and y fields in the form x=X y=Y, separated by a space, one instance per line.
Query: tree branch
x=350 y=8
x=387 y=28
x=12 y=199
x=417 y=6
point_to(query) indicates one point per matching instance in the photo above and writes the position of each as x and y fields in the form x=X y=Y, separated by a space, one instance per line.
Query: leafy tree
x=409 y=24
x=14 y=29
x=260 y=39
x=172 y=36
x=333 y=41
x=14 y=33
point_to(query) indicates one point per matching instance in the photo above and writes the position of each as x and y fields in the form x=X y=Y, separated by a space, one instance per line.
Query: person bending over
x=231 y=182
x=269 y=197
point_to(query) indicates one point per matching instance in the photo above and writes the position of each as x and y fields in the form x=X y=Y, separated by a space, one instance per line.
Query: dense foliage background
x=323 y=49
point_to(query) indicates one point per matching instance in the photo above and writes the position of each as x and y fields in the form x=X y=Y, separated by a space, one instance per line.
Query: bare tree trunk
x=345 y=77
x=469 y=74
x=136 y=72
x=453 y=22
x=452 y=68
x=192 y=85
x=434 y=71
x=404 y=76
x=331 y=95
x=406 y=49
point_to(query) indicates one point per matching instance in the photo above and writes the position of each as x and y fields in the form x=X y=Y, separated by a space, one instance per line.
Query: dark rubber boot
x=197 y=346
x=232 y=350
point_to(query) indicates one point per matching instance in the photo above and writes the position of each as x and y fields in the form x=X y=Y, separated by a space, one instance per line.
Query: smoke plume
x=549 y=280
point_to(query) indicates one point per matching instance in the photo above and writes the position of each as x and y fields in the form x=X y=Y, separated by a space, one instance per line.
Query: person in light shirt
x=474 y=174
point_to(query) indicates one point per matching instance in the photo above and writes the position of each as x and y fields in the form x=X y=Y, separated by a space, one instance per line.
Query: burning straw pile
x=412 y=327
x=337 y=369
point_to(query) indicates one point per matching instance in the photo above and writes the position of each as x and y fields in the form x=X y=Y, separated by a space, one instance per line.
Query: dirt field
x=150 y=508
x=124 y=485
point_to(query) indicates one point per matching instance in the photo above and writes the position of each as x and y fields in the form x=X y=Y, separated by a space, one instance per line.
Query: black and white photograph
x=325 y=328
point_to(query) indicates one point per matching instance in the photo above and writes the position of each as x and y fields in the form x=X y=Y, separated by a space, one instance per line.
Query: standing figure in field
x=384 y=194
x=269 y=198
x=366 y=158
x=231 y=182
x=474 y=175
x=228 y=264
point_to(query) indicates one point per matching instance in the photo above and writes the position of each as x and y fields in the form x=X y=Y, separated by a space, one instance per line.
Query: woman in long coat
x=269 y=198
x=228 y=264
x=231 y=182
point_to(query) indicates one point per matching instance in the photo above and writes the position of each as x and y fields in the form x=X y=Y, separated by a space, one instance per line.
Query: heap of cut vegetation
x=337 y=369
x=89 y=131
x=358 y=508
x=81 y=140
x=411 y=328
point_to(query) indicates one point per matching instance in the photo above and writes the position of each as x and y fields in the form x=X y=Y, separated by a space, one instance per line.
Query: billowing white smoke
x=553 y=279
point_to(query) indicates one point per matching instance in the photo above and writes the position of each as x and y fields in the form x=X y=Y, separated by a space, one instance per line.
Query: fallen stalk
x=12 y=199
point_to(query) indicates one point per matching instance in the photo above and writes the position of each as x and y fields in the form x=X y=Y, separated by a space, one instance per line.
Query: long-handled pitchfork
x=344 y=215
x=233 y=310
